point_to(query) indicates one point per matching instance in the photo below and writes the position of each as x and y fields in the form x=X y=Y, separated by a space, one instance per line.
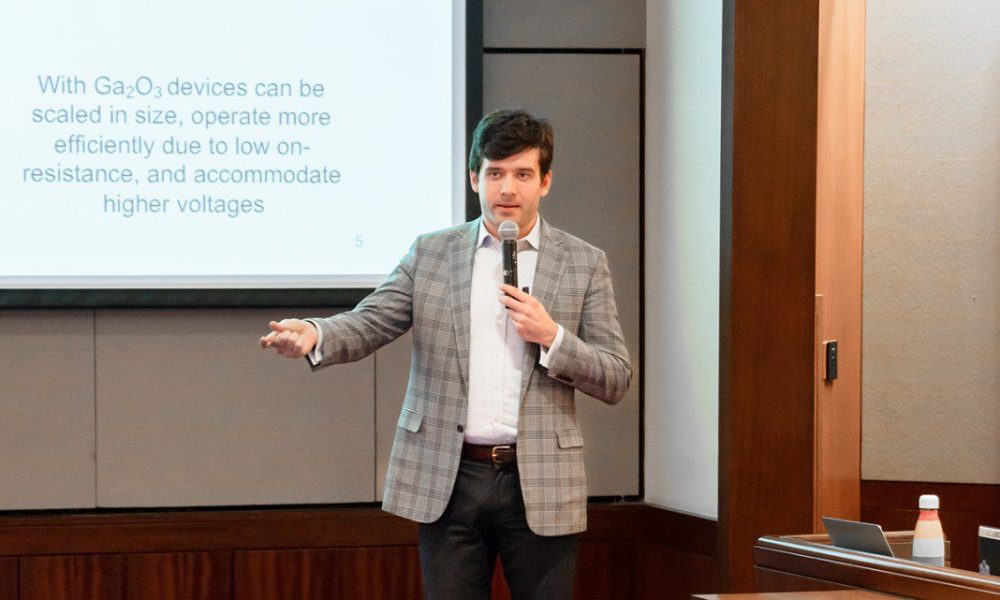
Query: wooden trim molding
x=338 y=527
x=202 y=531
x=839 y=234
x=961 y=497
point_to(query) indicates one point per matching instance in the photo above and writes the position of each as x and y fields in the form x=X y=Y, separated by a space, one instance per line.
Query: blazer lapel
x=548 y=268
x=463 y=248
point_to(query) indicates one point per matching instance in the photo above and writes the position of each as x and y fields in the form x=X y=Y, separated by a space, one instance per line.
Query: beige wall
x=931 y=366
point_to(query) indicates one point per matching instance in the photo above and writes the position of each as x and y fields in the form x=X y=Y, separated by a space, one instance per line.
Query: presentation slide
x=226 y=144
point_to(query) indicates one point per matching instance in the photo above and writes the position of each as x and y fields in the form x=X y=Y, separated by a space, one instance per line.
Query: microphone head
x=508 y=231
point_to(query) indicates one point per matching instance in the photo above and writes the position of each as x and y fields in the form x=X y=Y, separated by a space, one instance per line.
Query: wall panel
x=46 y=409
x=629 y=551
x=8 y=578
x=179 y=576
x=767 y=441
x=683 y=156
x=392 y=572
x=932 y=244
x=593 y=103
x=564 y=24
x=84 y=577
x=192 y=412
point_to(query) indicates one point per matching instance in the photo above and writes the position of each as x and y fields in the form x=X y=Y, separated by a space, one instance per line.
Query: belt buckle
x=495 y=454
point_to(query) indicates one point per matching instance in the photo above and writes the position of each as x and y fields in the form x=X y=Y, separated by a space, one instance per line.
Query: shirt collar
x=531 y=240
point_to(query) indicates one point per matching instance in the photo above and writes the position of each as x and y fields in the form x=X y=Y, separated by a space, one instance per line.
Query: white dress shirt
x=496 y=351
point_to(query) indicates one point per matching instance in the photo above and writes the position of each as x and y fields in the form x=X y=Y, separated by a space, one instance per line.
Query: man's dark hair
x=503 y=133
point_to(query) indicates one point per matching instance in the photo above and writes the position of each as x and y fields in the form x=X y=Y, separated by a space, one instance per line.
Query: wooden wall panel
x=630 y=551
x=8 y=578
x=766 y=414
x=769 y=580
x=607 y=570
x=83 y=577
x=198 y=531
x=179 y=576
x=499 y=589
x=392 y=572
x=673 y=574
x=789 y=444
x=604 y=570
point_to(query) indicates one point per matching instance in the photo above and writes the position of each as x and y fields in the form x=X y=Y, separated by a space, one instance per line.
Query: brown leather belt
x=494 y=455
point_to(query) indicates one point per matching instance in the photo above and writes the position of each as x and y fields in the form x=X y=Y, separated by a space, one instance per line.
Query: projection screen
x=227 y=145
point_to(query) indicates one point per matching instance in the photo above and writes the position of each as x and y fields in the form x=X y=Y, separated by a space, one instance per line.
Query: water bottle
x=928 y=537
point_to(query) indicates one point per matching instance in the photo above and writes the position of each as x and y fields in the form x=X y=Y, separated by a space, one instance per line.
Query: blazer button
x=461 y=429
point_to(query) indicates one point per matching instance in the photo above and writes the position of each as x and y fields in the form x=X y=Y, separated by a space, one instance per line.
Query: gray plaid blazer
x=430 y=291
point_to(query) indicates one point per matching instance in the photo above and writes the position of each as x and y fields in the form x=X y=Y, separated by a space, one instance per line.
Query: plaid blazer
x=430 y=291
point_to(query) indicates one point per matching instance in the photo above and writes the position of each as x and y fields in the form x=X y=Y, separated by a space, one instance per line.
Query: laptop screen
x=856 y=535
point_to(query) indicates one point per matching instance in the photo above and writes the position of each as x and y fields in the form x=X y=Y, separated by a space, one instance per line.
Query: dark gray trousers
x=484 y=518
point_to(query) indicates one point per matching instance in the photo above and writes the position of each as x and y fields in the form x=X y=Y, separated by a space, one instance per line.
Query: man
x=488 y=456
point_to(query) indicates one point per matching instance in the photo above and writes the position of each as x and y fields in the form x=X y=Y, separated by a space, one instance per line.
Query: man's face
x=510 y=189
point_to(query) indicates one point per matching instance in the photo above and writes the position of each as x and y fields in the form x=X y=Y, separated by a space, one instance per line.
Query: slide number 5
x=358 y=241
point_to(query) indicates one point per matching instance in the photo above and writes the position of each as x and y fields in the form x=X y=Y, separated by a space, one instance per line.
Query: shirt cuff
x=546 y=356
x=315 y=356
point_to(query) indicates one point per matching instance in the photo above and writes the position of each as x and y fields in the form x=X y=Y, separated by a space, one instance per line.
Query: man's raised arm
x=381 y=317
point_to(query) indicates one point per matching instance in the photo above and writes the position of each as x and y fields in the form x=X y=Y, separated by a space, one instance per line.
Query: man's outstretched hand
x=293 y=338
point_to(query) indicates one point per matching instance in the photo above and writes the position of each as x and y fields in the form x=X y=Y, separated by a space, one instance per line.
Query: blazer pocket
x=569 y=438
x=410 y=420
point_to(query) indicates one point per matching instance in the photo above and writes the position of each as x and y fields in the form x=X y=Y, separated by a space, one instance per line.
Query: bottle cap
x=929 y=502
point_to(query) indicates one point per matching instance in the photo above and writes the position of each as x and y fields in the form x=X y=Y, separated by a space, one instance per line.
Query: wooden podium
x=810 y=563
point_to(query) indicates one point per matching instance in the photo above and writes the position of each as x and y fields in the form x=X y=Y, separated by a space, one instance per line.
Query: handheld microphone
x=509 y=231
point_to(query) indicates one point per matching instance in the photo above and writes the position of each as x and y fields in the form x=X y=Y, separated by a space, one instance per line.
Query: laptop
x=855 y=535
x=989 y=550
